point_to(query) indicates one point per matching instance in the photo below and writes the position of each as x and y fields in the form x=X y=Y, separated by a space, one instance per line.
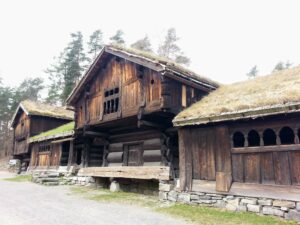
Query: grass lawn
x=196 y=214
x=19 y=178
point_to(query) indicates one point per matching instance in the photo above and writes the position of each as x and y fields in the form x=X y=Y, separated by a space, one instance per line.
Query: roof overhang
x=239 y=115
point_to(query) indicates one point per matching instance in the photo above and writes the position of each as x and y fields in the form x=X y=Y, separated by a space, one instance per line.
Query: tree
x=117 y=38
x=142 y=44
x=282 y=66
x=253 y=72
x=95 y=44
x=171 y=50
x=67 y=71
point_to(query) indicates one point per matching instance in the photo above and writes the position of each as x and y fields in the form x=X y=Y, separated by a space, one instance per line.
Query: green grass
x=59 y=130
x=195 y=214
x=206 y=215
x=19 y=178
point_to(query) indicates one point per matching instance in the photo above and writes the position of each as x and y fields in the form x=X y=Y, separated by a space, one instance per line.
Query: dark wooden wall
x=204 y=154
x=28 y=126
x=214 y=153
x=48 y=154
x=139 y=87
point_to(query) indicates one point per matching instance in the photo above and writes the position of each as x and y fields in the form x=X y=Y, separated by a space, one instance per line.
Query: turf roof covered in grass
x=265 y=95
x=61 y=131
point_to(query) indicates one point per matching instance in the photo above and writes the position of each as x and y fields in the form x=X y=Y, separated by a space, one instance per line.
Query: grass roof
x=61 y=131
x=264 y=95
x=42 y=109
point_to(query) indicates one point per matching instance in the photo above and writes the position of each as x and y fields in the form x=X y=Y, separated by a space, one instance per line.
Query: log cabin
x=243 y=139
x=53 y=149
x=124 y=106
x=32 y=118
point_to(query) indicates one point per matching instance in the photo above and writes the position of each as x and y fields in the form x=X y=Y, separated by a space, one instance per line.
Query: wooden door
x=133 y=155
x=43 y=159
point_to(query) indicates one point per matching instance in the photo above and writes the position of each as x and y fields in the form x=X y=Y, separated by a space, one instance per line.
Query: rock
x=163 y=195
x=298 y=206
x=252 y=201
x=194 y=197
x=205 y=197
x=293 y=215
x=165 y=187
x=220 y=204
x=90 y=180
x=267 y=202
x=215 y=195
x=287 y=204
x=206 y=201
x=254 y=208
x=114 y=186
x=172 y=196
x=234 y=202
x=241 y=208
x=284 y=209
x=229 y=197
x=268 y=210
x=231 y=207
x=184 y=197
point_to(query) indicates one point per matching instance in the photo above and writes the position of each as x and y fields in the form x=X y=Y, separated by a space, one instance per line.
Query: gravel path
x=27 y=203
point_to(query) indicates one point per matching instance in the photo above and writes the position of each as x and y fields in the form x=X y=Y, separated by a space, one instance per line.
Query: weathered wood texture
x=28 y=126
x=197 y=155
x=152 y=172
x=270 y=162
x=121 y=88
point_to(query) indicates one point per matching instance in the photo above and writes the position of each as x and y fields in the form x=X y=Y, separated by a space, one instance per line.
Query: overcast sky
x=224 y=39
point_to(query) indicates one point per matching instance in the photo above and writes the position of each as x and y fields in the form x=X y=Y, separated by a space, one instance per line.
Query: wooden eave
x=255 y=113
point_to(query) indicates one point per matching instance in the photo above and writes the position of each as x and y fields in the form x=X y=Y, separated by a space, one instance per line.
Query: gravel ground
x=25 y=203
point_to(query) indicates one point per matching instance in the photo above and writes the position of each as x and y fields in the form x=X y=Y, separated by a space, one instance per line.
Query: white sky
x=224 y=39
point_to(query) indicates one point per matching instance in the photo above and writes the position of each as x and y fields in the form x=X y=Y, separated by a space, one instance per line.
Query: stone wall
x=147 y=187
x=266 y=206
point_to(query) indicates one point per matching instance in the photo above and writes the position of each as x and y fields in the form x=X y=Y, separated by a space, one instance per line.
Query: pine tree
x=95 y=44
x=117 y=38
x=142 y=44
x=171 y=50
x=253 y=72
x=279 y=66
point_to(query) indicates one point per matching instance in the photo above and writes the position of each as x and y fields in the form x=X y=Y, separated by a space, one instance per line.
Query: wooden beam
x=95 y=134
x=150 y=124
x=133 y=172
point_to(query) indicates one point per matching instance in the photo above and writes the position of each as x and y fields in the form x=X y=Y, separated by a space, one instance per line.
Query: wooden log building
x=243 y=138
x=124 y=106
x=32 y=118
x=53 y=149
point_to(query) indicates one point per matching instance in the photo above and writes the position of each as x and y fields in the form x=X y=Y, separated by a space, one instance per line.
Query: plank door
x=43 y=159
x=133 y=155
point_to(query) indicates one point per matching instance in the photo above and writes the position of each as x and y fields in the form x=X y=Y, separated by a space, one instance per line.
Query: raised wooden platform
x=133 y=172
x=280 y=192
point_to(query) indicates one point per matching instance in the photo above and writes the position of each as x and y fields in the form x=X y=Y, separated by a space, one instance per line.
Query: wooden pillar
x=223 y=159
x=185 y=160
x=71 y=154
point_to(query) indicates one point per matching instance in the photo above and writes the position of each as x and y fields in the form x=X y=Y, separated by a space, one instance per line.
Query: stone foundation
x=266 y=206
x=147 y=187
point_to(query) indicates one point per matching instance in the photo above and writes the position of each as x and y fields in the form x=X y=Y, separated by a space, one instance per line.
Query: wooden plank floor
x=251 y=190
x=133 y=172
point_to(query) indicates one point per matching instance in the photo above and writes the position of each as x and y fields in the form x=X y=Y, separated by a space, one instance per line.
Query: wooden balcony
x=132 y=172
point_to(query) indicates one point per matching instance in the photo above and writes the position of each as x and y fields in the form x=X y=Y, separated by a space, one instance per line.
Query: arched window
x=269 y=137
x=253 y=138
x=238 y=139
x=287 y=136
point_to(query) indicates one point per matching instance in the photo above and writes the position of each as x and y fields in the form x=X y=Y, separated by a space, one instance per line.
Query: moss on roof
x=42 y=109
x=60 y=131
x=275 y=93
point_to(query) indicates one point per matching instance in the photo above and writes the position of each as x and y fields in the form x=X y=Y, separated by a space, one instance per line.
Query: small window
x=111 y=101
x=287 y=136
x=269 y=137
x=238 y=140
x=253 y=138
